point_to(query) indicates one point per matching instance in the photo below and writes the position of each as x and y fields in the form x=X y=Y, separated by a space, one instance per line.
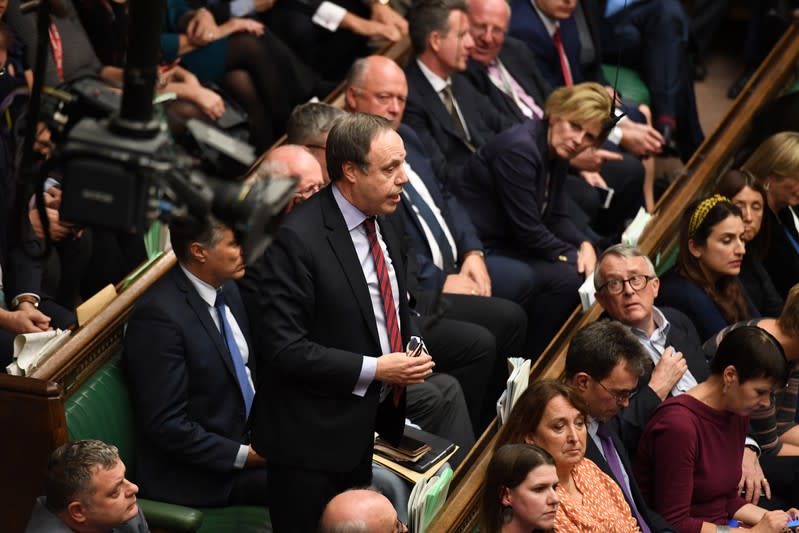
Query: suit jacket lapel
x=341 y=243
x=200 y=308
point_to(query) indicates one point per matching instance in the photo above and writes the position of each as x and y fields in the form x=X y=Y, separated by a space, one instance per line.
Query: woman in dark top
x=743 y=190
x=513 y=190
x=775 y=164
x=689 y=460
x=704 y=283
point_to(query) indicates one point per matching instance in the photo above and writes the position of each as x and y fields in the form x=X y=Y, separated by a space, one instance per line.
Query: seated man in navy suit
x=187 y=349
x=603 y=363
x=450 y=117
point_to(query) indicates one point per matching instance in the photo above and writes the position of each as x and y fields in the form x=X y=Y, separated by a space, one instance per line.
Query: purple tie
x=609 y=449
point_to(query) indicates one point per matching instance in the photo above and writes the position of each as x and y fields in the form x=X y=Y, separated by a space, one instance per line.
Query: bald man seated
x=300 y=163
x=360 y=511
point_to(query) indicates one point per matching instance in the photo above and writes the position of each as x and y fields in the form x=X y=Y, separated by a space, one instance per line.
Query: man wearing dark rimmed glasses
x=626 y=288
x=604 y=363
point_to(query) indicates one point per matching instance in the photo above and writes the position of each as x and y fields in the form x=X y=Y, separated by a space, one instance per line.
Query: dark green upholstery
x=631 y=87
x=101 y=409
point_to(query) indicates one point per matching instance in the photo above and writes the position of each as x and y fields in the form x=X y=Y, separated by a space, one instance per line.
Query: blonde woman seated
x=520 y=492
x=553 y=416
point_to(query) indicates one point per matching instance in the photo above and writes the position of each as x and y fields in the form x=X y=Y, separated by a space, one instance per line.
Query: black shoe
x=670 y=148
x=738 y=85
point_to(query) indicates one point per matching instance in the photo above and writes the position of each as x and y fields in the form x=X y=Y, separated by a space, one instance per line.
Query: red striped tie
x=564 y=63
x=390 y=311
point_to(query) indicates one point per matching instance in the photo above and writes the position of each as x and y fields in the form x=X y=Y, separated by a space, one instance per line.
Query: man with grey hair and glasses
x=87 y=492
x=627 y=286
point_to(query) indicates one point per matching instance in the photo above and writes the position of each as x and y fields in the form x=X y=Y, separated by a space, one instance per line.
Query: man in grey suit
x=87 y=492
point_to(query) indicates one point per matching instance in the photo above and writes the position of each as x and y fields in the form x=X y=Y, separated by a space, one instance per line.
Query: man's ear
x=348 y=171
x=77 y=511
x=349 y=98
x=655 y=285
x=198 y=252
x=580 y=381
x=434 y=41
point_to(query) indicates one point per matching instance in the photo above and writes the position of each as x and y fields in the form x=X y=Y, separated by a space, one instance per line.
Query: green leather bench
x=631 y=87
x=100 y=409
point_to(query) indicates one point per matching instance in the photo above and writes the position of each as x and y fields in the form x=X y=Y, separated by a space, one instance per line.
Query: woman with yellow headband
x=704 y=283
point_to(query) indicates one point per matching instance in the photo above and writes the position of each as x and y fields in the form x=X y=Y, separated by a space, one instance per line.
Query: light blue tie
x=235 y=353
x=614 y=6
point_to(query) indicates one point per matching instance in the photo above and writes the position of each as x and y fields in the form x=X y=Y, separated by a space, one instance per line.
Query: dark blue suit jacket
x=460 y=225
x=189 y=411
x=426 y=115
x=527 y=26
x=503 y=189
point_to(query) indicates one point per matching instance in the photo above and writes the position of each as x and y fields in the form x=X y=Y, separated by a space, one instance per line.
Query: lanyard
x=58 y=51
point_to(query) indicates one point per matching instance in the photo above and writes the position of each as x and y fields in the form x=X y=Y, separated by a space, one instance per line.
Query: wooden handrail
x=711 y=159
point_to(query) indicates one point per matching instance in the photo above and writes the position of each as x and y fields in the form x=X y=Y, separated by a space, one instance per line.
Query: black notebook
x=439 y=448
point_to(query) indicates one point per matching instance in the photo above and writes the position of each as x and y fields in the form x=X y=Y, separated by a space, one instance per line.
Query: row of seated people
x=284 y=469
x=489 y=20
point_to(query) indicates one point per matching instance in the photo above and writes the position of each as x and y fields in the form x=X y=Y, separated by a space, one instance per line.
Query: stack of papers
x=32 y=349
x=587 y=293
x=427 y=498
x=519 y=368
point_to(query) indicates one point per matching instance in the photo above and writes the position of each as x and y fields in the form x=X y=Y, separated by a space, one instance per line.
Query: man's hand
x=592 y=159
x=236 y=25
x=254 y=460
x=594 y=179
x=474 y=267
x=386 y=15
x=667 y=372
x=24 y=320
x=586 y=258
x=752 y=478
x=399 y=369
x=460 y=284
x=640 y=140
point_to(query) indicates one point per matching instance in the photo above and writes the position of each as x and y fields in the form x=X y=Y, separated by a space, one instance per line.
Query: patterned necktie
x=564 y=63
x=235 y=354
x=389 y=309
x=460 y=127
x=612 y=458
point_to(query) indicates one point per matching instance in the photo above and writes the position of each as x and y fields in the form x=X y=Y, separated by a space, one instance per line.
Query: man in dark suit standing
x=627 y=286
x=476 y=331
x=450 y=117
x=187 y=351
x=332 y=312
x=603 y=363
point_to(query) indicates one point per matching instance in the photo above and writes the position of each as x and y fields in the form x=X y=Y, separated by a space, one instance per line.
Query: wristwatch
x=25 y=297
x=474 y=252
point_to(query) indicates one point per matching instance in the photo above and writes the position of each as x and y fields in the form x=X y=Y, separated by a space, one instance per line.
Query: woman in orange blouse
x=553 y=416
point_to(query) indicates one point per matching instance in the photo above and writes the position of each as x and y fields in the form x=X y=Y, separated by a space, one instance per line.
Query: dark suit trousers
x=546 y=290
x=249 y=487
x=297 y=496
x=783 y=478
